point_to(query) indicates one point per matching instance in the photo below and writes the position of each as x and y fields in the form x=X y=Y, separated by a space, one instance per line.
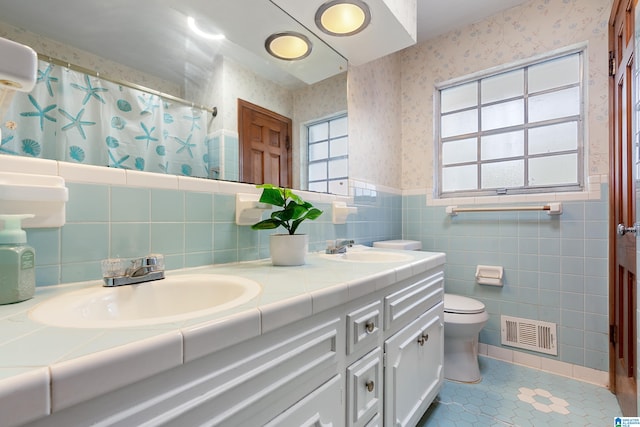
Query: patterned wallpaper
x=533 y=28
x=375 y=125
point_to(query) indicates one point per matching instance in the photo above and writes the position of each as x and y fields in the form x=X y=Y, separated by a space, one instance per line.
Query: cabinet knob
x=423 y=339
x=370 y=326
x=370 y=385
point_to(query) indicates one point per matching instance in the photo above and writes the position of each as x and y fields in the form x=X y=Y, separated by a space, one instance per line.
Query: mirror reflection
x=95 y=59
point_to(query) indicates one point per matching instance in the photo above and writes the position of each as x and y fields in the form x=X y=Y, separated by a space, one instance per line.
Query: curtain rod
x=551 y=208
x=212 y=110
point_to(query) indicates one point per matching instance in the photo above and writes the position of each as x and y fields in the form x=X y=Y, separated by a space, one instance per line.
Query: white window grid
x=332 y=135
x=480 y=133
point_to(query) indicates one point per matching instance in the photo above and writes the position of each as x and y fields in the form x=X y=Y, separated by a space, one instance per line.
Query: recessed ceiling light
x=209 y=36
x=343 y=17
x=288 y=45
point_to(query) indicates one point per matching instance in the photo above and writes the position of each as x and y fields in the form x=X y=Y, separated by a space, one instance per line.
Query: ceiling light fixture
x=288 y=45
x=210 y=36
x=343 y=17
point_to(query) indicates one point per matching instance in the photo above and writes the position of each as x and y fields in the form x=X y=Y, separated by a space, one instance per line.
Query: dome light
x=288 y=46
x=343 y=17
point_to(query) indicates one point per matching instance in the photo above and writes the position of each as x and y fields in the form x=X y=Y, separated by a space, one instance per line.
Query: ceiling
x=180 y=58
x=436 y=17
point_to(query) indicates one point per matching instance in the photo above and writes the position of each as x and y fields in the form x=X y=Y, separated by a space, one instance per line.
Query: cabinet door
x=321 y=408
x=413 y=371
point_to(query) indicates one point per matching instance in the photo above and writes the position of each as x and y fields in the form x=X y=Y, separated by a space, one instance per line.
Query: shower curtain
x=75 y=117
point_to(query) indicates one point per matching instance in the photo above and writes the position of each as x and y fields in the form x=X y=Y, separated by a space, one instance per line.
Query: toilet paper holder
x=489 y=275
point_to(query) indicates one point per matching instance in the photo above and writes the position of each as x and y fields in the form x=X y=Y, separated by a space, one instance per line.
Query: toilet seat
x=462 y=305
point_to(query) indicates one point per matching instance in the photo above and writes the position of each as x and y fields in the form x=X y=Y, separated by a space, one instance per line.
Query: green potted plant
x=289 y=248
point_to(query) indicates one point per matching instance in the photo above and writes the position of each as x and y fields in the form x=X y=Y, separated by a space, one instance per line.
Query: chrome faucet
x=115 y=272
x=338 y=246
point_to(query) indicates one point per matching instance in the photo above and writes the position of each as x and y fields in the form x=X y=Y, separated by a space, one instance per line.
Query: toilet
x=463 y=319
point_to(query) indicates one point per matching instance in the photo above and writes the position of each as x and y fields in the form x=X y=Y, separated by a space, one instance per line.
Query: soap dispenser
x=17 y=261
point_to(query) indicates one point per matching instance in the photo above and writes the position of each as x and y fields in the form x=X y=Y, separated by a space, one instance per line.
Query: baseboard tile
x=577 y=372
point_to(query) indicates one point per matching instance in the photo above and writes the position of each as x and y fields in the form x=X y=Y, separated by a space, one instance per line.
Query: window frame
x=327 y=159
x=580 y=119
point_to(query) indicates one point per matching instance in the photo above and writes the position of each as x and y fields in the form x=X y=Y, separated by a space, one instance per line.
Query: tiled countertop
x=44 y=369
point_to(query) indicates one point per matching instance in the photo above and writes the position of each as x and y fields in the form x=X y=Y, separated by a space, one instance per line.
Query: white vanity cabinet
x=368 y=361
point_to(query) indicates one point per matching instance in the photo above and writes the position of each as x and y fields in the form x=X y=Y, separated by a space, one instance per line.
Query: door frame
x=618 y=182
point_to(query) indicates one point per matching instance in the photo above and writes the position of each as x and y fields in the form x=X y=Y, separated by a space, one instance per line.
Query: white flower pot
x=288 y=249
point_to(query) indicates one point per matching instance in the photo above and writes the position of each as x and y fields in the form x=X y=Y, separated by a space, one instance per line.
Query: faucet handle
x=155 y=262
x=114 y=267
x=158 y=260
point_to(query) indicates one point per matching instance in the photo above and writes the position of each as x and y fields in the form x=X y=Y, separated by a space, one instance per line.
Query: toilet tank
x=407 y=245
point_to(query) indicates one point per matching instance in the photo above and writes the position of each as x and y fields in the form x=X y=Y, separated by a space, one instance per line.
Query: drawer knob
x=370 y=385
x=370 y=326
x=423 y=339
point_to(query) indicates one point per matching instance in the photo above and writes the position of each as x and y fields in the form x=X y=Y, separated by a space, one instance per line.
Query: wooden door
x=622 y=257
x=265 y=145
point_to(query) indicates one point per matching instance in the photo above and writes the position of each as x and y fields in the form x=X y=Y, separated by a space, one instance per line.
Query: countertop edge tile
x=403 y=272
x=25 y=397
x=385 y=279
x=288 y=310
x=333 y=296
x=108 y=370
x=206 y=338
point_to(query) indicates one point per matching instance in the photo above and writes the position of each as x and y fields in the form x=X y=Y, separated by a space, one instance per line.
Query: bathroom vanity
x=334 y=342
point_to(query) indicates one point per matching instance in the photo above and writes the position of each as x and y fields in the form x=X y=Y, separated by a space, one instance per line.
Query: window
x=518 y=130
x=328 y=155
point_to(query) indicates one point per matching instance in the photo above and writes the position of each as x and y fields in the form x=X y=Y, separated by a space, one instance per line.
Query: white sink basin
x=369 y=256
x=171 y=299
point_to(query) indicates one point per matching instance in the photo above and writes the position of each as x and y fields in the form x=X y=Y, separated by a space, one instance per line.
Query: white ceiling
x=89 y=25
x=436 y=17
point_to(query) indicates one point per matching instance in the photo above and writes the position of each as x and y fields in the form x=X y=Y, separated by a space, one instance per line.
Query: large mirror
x=129 y=46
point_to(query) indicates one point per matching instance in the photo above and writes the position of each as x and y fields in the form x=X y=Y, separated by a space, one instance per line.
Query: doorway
x=265 y=145
x=622 y=243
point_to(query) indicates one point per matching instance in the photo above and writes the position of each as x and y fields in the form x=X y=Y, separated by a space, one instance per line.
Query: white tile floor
x=514 y=395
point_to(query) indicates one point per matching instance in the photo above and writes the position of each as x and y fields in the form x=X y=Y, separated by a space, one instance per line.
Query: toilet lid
x=407 y=245
x=463 y=305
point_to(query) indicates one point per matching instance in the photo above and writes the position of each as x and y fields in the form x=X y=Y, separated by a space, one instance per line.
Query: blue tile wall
x=231 y=158
x=555 y=268
x=190 y=228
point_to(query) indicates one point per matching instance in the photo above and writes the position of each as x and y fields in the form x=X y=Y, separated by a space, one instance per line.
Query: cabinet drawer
x=363 y=326
x=408 y=303
x=319 y=408
x=364 y=389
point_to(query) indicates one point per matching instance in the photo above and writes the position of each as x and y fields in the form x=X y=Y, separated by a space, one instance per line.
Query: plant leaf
x=267 y=224
x=272 y=196
x=313 y=213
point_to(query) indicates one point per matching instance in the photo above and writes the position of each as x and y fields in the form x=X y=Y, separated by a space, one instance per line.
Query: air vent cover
x=529 y=334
